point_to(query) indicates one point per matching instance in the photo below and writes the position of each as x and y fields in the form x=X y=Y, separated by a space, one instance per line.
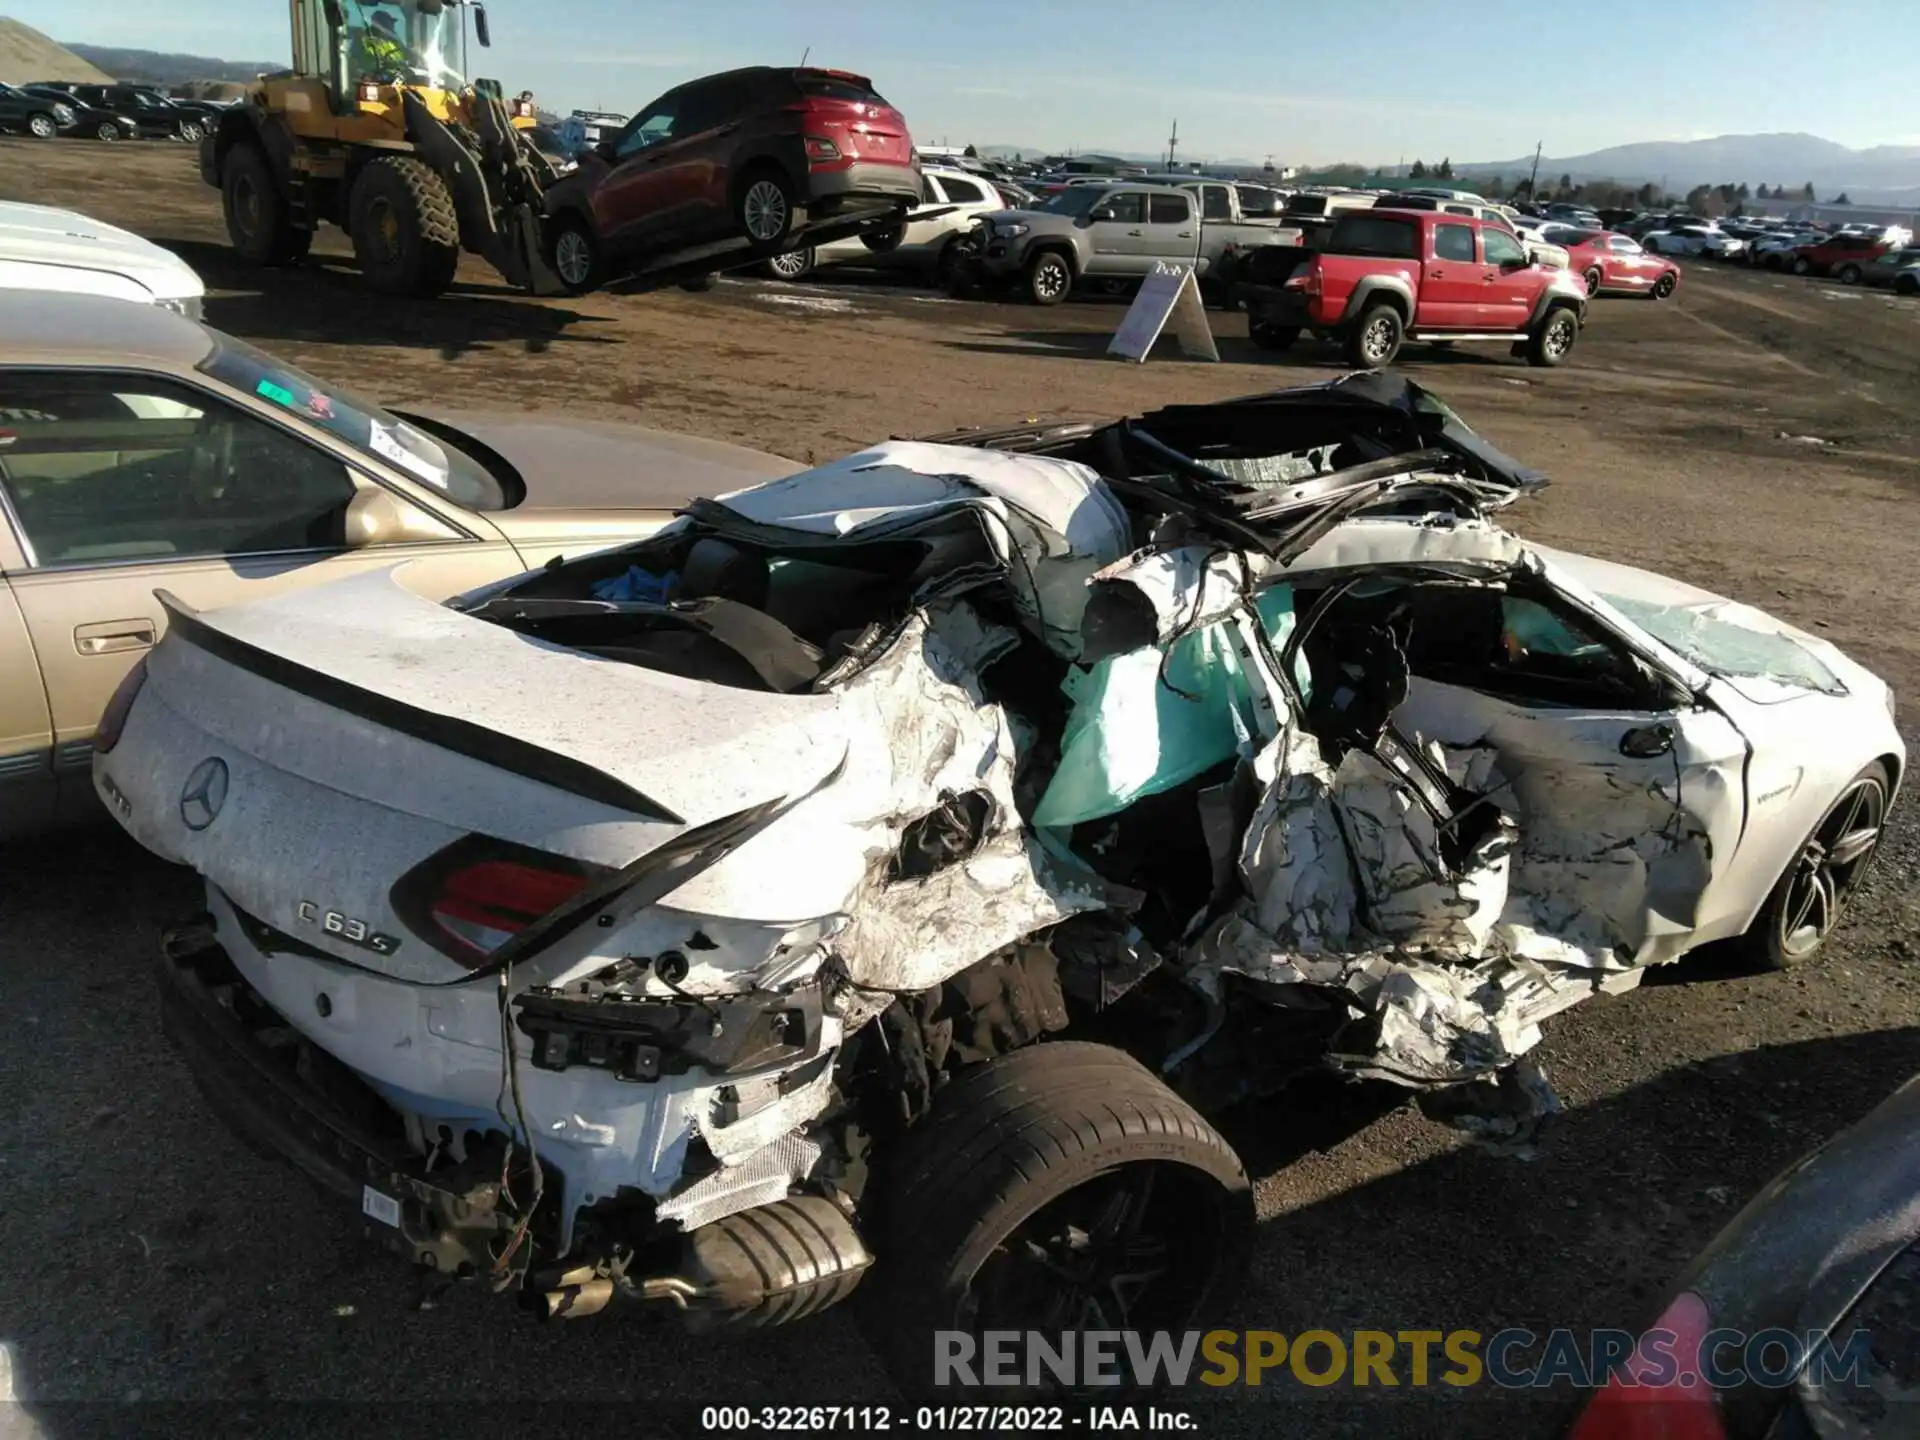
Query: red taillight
x=819 y=147
x=1659 y=1392
x=483 y=906
x=114 y=718
x=1306 y=282
x=478 y=893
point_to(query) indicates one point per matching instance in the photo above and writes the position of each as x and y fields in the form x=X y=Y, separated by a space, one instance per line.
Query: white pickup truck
x=1115 y=232
x=43 y=248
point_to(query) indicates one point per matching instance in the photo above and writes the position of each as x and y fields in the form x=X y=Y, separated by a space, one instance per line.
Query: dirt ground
x=1755 y=435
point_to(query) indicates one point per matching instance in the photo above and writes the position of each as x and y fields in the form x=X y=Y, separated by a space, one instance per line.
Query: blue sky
x=1367 y=80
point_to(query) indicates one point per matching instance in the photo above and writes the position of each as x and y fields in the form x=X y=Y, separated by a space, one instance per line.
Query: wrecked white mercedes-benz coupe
x=891 y=860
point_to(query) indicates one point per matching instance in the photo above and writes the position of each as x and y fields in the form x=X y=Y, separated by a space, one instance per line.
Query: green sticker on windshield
x=274 y=392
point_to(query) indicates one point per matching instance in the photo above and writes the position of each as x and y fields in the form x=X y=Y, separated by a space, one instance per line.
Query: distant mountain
x=27 y=55
x=1780 y=159
x=1115 y=157
x=159 y=68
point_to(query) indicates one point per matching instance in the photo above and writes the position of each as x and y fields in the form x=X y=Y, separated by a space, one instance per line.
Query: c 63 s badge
x=345 y=927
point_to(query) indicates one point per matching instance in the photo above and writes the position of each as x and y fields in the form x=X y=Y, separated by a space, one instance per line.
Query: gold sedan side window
x=104 y=467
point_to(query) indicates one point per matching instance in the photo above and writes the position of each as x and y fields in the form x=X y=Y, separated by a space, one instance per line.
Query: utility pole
x=1173 y=143
x=1533 y=180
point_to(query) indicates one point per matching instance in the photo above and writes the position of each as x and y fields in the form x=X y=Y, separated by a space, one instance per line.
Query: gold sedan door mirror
x=376 y=517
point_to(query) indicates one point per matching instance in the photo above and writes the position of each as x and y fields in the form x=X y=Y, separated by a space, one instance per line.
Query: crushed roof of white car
x=569 y=926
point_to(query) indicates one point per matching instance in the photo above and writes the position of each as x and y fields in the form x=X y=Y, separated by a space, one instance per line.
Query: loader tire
x=1060 y=1187
x=406 y=235
x=258 y=221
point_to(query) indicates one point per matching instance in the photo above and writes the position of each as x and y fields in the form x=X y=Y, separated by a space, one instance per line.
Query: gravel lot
x=152 y=1261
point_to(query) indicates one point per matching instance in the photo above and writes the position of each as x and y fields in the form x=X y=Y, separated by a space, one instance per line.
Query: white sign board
x=1170 y=294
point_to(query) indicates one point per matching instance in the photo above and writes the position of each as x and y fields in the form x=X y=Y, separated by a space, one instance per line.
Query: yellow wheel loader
x=377 y=130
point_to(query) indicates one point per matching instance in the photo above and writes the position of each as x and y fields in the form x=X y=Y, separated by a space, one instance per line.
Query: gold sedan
x=142 y=451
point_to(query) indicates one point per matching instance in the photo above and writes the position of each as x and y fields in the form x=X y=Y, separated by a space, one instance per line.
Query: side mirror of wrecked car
x=375 y=517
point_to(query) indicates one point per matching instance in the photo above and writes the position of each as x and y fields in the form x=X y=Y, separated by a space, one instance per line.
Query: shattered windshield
x=1726 y=639
x=360 y=423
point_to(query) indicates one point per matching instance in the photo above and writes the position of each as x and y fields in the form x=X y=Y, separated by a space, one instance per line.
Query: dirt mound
x=27 y=55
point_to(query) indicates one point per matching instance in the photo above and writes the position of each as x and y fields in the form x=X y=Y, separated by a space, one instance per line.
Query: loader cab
x=360 y=48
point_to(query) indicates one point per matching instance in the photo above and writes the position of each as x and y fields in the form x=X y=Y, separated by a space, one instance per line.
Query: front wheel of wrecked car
x=1059 y=1188
x=1807 y=902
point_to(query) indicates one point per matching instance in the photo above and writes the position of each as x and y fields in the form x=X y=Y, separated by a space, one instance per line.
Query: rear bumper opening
x=288 y=1099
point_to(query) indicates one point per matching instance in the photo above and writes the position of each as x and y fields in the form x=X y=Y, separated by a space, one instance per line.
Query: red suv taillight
x=1307 y=281
x=478 y=893
x=820 y=148
x=113 y=719
x=1659 y=1394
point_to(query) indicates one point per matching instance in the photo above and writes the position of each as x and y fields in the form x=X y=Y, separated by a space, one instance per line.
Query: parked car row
x=48 y=110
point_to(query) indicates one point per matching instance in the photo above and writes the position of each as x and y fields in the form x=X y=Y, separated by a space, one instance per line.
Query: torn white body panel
x=1634 y=842
x=1055 y=521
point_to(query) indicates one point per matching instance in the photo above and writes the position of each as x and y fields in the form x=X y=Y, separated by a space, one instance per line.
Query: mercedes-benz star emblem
x=205 y=793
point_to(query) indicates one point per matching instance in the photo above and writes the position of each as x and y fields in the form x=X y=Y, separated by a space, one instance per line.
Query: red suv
x=758 y=156
x=1841 y=255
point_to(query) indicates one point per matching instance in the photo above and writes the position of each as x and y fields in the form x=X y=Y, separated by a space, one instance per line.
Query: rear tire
x=1071 y=1150
x=793 y=265
x=1802 y=265
x=406 y=235
x=1663 y=287
x=1848 y=275
x=948 y=264
x=256 y=211
x=1049 y=278
x=107 y=133
x=1594 y=278
x=1276 y=338
x=763 y=208
x=1553 y=340
x=191 y=131
x=1375 y=338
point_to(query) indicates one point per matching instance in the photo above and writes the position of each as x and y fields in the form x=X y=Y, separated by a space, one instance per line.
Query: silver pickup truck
x=1113 y=232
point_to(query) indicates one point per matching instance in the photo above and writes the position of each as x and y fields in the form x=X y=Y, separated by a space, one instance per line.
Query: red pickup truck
x=1384 y=277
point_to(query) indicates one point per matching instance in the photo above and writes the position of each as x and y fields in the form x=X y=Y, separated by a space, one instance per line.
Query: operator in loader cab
x=378 y=52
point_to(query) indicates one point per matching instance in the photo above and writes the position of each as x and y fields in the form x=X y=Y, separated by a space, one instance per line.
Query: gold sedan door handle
x=105 y=637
